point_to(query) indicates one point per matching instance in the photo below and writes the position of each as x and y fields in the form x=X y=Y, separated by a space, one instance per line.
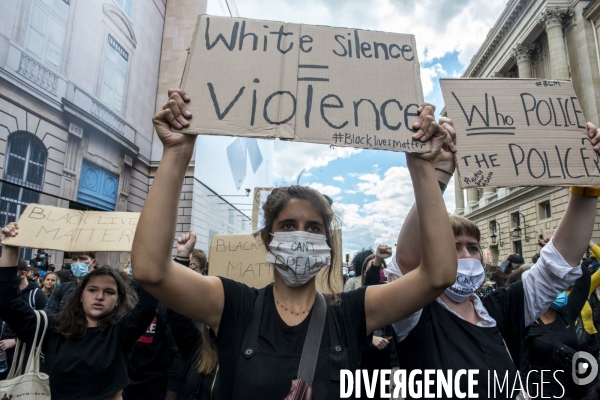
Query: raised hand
x=594 y=136
x=429 y=130
x=383 y=252
x=185 y=244
x=10 y=230
x=445 y=159
x=174 y=114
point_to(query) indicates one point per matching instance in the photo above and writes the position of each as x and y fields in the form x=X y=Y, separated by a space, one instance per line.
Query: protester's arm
x=13 y=311
x=191 y=294
x=409 y=240
x=578 y=296
x=595 y=282
x=135 y=323
x=385 y=304
x=594 y=249
x=185 y=332
x=575 y=228
x=41 y=300
x=558 y=266
x=52 y=306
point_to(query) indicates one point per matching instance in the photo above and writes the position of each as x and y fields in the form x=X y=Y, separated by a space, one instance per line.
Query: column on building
x=553 y=18
x=523 y=54
x=458 y=195
x=472 y=198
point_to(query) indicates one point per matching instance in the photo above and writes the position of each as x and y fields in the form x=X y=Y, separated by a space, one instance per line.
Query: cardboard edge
x=190 y=52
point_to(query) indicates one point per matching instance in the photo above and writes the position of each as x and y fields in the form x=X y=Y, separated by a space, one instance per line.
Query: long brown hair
x=277 y=201
x=71 y=321
x=207 y=356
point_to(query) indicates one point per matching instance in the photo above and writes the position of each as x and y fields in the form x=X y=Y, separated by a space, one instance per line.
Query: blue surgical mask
x=57 y=283
x=79 y=269
x=561 y=300
x=352 y=273
x=42 y=256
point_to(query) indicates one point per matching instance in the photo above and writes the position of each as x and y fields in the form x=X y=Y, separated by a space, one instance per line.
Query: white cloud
x=339 y=178
x=325 y=189
x=440 y=26
x=292 y=157
x=350 y=191
x=428 y=75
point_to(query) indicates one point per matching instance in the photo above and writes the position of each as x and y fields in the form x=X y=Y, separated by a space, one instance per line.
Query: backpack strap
x=250 y=344
x=312 y=342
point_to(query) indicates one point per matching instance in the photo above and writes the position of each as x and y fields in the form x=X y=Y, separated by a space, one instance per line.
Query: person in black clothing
x=30 y=294
x=200 y=372
x=40 y=261
x=83 y=263
x=87 y=345
x=279 y=314
x=559 y=321
x=381 y=353
x=461 y=331
x=149 y=362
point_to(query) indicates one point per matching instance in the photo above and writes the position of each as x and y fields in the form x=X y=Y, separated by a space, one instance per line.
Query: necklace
x=287 y=309
x=293 y=312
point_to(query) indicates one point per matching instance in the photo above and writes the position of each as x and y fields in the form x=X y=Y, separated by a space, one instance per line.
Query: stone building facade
x=544 y=39
x=79 y=84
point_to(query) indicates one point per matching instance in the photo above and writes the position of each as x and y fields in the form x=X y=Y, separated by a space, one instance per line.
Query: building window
x=243 y=224
x=231 y=216
x=125 y=5
x=46 y=30
x=518 y=247
x=544 y=210
x=25 y=166
x=25 y=161
x=115 y=71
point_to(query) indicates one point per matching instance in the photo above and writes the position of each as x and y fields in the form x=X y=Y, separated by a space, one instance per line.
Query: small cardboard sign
x=55 y=228
x=258 y=215
x=318 y=84
x=519 y=132
x=242 y=258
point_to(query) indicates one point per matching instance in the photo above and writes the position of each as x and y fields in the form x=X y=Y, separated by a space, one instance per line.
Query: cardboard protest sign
x=55 y=228
x=258 y=217
x=519 y=132
x=318 y=84
x=243 y=259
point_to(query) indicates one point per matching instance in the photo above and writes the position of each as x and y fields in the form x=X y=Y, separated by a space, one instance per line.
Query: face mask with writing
x=79 y=269
x=298 y=256
x=469 y=278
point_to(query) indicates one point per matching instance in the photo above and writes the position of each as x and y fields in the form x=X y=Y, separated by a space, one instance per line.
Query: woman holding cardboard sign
x=261 y=334
x=462 y=332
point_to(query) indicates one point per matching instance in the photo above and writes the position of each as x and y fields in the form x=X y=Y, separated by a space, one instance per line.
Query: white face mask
x=469 y=278
x=298 y=256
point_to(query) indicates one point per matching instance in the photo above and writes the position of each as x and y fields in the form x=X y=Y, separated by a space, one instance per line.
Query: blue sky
x=371 y=189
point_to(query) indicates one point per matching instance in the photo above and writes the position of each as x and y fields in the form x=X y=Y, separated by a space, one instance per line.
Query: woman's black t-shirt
x=541 y=346
x=443 y=341
x=286 y=341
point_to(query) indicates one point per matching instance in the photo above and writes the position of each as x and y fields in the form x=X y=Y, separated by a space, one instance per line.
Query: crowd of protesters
x=164 y=329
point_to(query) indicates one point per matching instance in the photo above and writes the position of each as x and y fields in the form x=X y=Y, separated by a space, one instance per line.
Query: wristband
x=585 y=191
x=443 y=186
x=444 y=171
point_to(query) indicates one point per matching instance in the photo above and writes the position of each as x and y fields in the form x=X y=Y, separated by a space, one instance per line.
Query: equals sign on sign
x=312 y=78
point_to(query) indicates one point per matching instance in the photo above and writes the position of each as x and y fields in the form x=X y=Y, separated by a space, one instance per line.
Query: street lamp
x=495 y=226
x=516 y=232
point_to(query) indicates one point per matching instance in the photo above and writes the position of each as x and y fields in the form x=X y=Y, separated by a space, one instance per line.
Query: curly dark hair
x=277 y=201
x=71 y=321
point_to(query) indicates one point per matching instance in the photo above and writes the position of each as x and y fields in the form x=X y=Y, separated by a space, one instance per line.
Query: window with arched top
x=25 y=163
